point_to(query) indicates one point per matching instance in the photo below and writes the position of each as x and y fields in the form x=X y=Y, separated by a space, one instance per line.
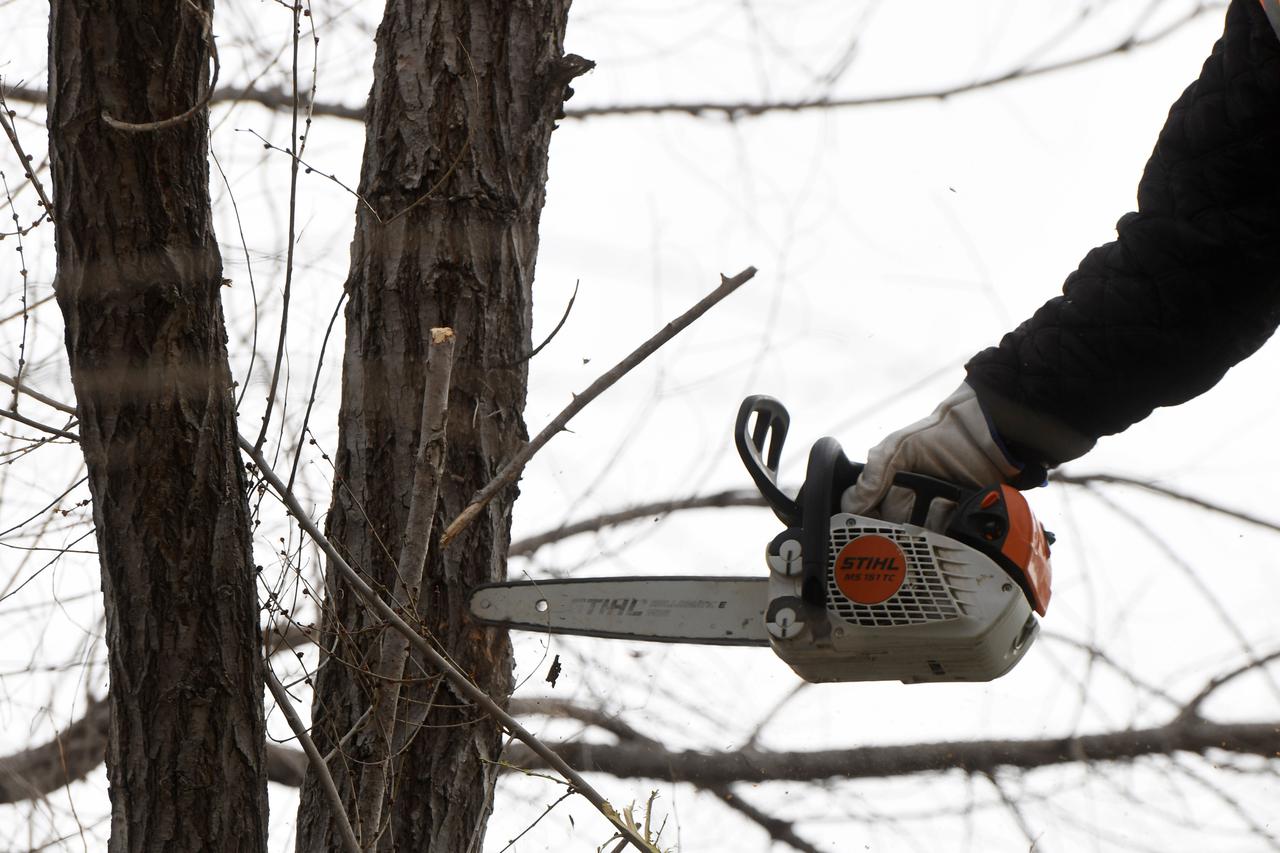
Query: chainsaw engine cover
x=902 y=603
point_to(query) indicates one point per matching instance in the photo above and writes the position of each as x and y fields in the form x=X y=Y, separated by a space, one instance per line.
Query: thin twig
x=36 y=395
x=522 y=359
x=26 y=281
x=781 y=831
x=458 y=678
x=1257 y=828
x=748 y=109
x=293 y=239
x=315 y=384
x=6 y=122
x=537 y=820
x=778 y=829
x=206 y=32
x=29 y=308
x=1192 y=709
x=1188 y=570
x=23 y=419
x=1015 y=811
x=511 y=470
x=285 y=703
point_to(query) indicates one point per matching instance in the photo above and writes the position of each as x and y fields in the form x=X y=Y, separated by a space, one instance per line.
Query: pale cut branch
x=511 y=470
x=394 y=649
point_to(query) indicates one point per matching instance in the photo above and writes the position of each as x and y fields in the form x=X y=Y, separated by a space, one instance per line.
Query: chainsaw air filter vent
x=923 y=597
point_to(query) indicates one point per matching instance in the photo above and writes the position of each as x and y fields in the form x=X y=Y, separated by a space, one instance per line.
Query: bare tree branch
x=285 y=703
x=26 y=421
x=779 y=830
x=78 y=749
x=1087 y=480
x=750 y=498
x=511 y=470
x=70 y=756
x=749 y=109
x=1192 y=709
x=708 y=769
x=730 y=498
x=278 y=99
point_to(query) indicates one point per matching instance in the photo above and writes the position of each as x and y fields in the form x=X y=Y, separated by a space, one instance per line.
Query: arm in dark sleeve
x=1190 y=286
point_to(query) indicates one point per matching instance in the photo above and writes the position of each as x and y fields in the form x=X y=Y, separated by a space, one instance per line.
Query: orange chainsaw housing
x=999 y=522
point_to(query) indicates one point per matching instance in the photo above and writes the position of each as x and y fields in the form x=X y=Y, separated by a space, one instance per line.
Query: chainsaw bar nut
x=783 y=621
x=783 y=553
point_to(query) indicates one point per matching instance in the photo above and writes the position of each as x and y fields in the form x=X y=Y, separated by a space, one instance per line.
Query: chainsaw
x=847 y=597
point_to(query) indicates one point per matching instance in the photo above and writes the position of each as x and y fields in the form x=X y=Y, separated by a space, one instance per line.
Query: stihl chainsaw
x=847 y=597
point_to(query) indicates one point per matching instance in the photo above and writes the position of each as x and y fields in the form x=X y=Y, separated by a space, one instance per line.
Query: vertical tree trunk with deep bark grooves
x=464 y=100
x=139 y=280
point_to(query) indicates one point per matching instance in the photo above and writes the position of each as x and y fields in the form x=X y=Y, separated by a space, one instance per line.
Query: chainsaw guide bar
x=716 y=611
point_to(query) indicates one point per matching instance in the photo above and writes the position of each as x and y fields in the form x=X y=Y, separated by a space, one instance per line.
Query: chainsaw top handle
x=770 y=428
x=828 y=475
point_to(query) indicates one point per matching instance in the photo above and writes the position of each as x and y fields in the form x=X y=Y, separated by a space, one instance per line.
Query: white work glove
x=955 y=444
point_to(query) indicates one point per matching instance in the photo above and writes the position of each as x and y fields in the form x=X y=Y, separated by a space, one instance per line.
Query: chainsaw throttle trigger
x=926 y=490
x=760 y=446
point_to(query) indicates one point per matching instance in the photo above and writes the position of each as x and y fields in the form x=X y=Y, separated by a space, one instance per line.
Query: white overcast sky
x=892 y=243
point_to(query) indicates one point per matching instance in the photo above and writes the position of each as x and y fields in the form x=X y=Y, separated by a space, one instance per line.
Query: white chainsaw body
x=957 y=616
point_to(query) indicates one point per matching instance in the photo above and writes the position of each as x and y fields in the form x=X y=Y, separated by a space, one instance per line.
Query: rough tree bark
x=464 y=100
x=138 y=281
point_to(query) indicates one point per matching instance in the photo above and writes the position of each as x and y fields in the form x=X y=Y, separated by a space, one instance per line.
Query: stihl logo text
x=640 y=606
x=612 y=606
x=870 y=569
x=871 y=564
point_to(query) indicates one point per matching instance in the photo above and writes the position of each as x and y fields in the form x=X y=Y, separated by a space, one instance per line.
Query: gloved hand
x=955 y=443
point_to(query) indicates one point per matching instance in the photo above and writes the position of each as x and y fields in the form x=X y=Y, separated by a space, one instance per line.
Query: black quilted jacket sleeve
x=1191 y=285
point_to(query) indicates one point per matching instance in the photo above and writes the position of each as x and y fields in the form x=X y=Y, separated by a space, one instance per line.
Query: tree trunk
x=465 y=96
x=138 y=282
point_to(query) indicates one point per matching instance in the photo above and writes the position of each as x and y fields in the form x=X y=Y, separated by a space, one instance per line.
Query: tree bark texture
x=138 y=281
x=464 y=100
